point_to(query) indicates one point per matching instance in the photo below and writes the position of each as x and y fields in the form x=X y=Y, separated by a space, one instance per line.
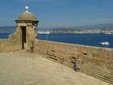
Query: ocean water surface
x=83 y=39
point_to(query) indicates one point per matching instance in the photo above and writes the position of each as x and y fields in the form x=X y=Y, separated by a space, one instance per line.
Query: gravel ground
x=23 y=68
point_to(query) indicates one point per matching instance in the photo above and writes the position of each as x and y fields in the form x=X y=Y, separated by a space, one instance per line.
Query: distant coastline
x=80 y=31
x=99 y=28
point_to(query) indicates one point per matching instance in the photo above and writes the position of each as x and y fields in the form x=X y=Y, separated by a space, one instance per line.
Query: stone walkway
x=22 y=68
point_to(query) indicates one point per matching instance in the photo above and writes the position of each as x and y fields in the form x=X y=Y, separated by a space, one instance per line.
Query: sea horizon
x=88 y=39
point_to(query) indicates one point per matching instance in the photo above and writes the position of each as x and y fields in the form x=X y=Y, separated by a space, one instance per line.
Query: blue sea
x=83 y=39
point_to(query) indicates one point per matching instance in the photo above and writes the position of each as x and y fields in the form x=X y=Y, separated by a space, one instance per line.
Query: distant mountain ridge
x=11 y=29
x=7 y=29
x=96 y=26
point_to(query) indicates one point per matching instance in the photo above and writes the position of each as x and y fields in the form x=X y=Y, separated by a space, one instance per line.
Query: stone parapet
x=94 y=61
x=7 y=46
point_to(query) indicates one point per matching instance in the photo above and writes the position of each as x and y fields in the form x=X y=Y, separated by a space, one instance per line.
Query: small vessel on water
x=43 y=32
x=108 y=33
x=104 y=43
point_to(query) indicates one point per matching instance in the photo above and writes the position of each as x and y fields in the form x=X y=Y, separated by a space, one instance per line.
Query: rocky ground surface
x=23 y=68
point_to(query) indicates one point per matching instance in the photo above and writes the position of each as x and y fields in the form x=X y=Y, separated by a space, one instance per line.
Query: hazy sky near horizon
x=59 y=12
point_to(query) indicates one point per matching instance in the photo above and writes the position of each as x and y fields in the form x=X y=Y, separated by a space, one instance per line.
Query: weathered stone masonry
x=24 y=37
x=94 y=61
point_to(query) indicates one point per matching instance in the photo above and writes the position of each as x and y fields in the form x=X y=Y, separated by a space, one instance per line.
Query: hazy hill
x=7 y=29
x=11 y=29
x=96 y=26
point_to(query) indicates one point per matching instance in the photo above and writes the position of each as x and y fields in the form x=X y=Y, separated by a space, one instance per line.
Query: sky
x=64 y=13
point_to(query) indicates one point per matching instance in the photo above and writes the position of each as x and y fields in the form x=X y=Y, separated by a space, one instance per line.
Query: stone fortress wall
x=94 y=61
x=7 y=46
x=24 y=36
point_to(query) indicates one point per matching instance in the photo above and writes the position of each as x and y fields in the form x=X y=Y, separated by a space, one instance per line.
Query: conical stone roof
x=27 y=15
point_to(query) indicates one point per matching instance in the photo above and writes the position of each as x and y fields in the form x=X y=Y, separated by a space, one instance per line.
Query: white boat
x=43 y=32
x=104 y=43
x=108 y=33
